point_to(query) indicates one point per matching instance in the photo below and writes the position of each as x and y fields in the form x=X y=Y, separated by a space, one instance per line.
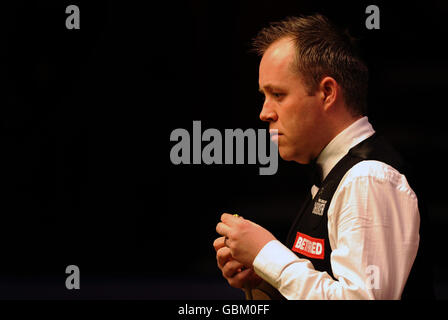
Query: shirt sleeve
x=373 y=224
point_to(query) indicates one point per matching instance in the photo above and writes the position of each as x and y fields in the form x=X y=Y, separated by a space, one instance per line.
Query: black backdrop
x=86 y=122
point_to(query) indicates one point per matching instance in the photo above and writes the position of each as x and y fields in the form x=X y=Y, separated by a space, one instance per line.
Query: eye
x=278 y=95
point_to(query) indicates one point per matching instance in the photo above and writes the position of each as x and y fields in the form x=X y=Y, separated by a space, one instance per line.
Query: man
x=357 y=236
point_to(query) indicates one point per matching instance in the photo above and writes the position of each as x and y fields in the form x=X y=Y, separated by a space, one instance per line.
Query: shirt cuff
x=272 y=259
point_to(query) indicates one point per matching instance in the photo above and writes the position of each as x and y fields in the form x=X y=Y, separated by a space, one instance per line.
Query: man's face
x=287 y=106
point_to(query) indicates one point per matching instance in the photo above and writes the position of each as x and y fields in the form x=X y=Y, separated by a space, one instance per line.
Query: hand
x=244 y=238
x=232 y=270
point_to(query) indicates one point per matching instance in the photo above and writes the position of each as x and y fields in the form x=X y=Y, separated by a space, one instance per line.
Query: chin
x=287 y=156
x=290 y=156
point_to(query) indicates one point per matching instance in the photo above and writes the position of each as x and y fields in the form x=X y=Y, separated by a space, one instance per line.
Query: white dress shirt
x=373 y=229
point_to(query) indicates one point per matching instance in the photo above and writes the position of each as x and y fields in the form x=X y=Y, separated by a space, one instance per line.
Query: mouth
x=274 y=134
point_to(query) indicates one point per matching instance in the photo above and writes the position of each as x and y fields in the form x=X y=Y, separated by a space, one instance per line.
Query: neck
x=335 y=126
x=342 y=124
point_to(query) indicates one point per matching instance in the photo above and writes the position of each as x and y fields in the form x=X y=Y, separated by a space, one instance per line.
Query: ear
x=329 y=90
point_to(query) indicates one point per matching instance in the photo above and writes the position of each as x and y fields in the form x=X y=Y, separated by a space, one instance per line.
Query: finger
x=219 y=243
x=244 y=275
x=230 y=219
x=225 y=217
x=223 y=255
x=240 y=279
x=231 y=268
x=223 y=229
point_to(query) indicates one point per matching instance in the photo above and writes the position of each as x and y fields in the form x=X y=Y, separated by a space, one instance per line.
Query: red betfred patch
x=309 y=246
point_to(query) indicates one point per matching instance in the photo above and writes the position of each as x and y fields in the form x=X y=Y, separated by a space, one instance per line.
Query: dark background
x=86 y=120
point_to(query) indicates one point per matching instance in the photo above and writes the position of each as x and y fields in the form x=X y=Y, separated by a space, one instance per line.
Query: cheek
x=299 y=120
x=293 y=117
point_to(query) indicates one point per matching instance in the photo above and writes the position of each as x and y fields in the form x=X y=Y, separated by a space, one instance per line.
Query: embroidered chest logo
x=309 y=246
x=319 y=206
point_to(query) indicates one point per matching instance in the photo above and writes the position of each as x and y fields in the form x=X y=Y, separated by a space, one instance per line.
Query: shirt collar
x=358 y=131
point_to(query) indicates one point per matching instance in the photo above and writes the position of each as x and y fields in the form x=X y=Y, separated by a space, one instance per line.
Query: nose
x=267 y=113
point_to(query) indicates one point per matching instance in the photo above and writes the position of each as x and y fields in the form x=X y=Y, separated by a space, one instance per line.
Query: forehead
x=275 y=65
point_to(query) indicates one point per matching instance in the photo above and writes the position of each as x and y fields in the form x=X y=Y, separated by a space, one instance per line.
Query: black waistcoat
x=308 y=236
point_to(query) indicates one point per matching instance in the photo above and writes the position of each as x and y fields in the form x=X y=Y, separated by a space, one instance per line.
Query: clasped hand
x=236 y=250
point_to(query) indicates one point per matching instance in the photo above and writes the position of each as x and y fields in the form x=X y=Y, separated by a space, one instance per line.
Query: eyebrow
x=269 y=88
